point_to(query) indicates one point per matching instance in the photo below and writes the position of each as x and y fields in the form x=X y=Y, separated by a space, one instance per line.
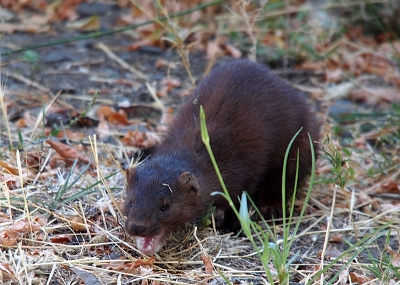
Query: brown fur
x=251 y=117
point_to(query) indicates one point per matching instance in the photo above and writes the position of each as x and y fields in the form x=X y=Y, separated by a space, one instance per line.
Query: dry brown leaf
x=141 y=140
x=108 y=113
x=23 y=226
x=207 y=264
x=21 y=123
x=41 y=220
x=395 y=256
x=118 y=119
x=6 y=271
x=332 y=252
x=69 y=153
x=336 y=238
x=146 y=42
x=389 y=187
x=8 y=238
x=87 y=277
x=104 y=112
x=11 y=169
x=18 y=5
x=359 y=279
x=376 y=95
x=141 y=263
x=171 y=83
x=8 y=235
x=67 y=10
x=366 y=199
x=77 y=224
x=61 y=239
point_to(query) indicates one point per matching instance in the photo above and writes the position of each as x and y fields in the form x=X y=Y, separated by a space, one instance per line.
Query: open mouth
x=150 y=245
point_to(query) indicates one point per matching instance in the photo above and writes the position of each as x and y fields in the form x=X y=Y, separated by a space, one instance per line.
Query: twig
x=29 y=82
x=328 y=231
x=120 y=61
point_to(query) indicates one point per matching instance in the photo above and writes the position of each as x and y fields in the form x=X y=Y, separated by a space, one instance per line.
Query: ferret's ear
x=189 y=182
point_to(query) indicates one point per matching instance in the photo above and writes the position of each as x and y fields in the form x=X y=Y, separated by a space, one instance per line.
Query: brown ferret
x=251 y=117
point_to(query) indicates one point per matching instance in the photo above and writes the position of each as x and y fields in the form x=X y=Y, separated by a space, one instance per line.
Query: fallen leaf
x=145 y=42
x=103 y=112
x=77 y=224
x=87 y=277
x=41 y=220
x=6 y=272
x=23 y=226
x=207 y=264
x=118 y=119
x=17 y=6
x=336 y=239
x=11 y=169
x=170 y=83
x=69 y=153
x=359 y=279
x=375 y=95
x=141 y=140
x=332 y=252
x=395 y=256
x=364 y=198
x=21 y=123
x=66 y=10
x=8 y=238
x=60 y=239
x=390 y=187
x=8 y=235
x=141 y=262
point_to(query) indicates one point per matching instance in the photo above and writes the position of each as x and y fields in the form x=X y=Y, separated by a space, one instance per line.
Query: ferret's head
x=158 y=200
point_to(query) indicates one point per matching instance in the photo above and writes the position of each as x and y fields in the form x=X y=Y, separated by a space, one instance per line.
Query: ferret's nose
x=135 y=230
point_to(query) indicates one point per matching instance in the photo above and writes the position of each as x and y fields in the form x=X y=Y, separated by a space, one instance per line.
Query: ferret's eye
x=163 y=208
